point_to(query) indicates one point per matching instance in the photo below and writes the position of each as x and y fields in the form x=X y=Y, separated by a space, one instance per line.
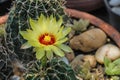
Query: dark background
x=101 y=12
x=4 y=7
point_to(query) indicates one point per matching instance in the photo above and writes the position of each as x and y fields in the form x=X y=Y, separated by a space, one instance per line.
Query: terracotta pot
x=3 y=19
x=84 y=5
x=107 y=28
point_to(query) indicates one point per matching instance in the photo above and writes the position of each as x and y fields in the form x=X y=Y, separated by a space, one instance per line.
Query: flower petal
x=60 y=21
x=41 y=18
x=33 y=24
x=61 y=41
x=28 y=36
x=25 y=45
x=54 y=24
x=47 y=25
x=64 y=32
x=34 y=43
x=24 y=34
x=42 y=22
x=49 y=54
x=47 y=48
x=38 y=26
x=59 y=33
x=57 y=51
x=65 y=48
x=40 y=53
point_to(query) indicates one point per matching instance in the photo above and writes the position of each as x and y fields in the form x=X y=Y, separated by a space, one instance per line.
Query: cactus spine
x=55 y=70
x=18 y=20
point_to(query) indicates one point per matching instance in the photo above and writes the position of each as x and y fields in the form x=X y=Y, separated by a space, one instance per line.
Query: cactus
x=5 y=65
x=54 y=70
x=18 y=20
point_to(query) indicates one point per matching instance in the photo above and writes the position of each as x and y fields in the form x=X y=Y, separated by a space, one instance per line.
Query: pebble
x=15 y=77
x=70 y=56
x=65 y=60
x=116 y=10
x=77 y=61
x=114 y=2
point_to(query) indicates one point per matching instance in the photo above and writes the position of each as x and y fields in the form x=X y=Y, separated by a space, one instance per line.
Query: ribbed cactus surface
x=18 y=20
x=5 y=65
x=54 y=70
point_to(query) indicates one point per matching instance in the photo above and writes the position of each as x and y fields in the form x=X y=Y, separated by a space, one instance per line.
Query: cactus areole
x=19 y=20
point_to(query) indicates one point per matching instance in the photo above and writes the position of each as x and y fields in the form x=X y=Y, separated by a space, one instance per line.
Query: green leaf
x=80 y=25
x=112 y=68
x=117 y=62
x=106 y=61
x=115 y=78
x=116 y=70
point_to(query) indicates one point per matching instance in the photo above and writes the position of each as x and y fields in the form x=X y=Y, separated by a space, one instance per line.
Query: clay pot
x=3 y=19
x=84 y=5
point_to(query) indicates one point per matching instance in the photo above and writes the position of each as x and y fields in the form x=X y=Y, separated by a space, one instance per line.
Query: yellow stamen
x=47 y=38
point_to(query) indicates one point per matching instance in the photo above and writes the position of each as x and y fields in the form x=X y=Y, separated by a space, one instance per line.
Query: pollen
x=47 y=39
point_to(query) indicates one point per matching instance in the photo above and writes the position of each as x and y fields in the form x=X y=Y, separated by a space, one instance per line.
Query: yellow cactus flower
x=47 y=36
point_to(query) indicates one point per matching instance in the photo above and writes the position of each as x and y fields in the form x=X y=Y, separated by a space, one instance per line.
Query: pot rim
x=3 y=19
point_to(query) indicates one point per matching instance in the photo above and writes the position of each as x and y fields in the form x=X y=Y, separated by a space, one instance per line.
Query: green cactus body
x=18 y=21
x=5 y=65
x=55 y=70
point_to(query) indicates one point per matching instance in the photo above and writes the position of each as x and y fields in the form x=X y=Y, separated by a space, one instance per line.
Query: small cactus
x=54 y=70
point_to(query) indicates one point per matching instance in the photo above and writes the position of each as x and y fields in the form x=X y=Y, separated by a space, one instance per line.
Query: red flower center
x=47 y=39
